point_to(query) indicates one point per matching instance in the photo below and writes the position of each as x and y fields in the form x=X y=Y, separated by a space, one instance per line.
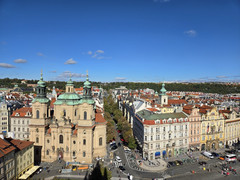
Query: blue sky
x=121 y=40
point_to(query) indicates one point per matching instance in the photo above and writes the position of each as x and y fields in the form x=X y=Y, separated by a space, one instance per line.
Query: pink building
x=194 y=126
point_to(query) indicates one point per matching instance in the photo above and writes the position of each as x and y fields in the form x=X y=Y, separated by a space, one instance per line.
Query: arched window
x=64 y=112
x=84 y=141
x=85 y=115
x=47 y=152
x=74 y=153
x=75 y=112
x=37 y=140
x=37 y=114
x=84 y=153
x=61 y=139
x=100 y=141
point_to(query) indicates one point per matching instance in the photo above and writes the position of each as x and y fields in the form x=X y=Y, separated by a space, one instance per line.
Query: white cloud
x=70 y=61
x=5 y=65
x=221 y=77
x=98 y=54
x=120 y=78
x=161 y=1
x=191 y=33
x=20 y=60
x=99 y=51
x=67 y=74
x=40 y=54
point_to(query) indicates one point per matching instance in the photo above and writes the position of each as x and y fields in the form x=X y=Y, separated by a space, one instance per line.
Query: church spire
x=163 y=90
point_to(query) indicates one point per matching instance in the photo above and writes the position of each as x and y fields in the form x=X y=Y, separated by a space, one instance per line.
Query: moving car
x=222 y=158
x=122 y=168
x=176 y=162
x=231 y=157
x=118 y=159
x=171 y=163
x=202 y=163
x=215 y=154
x=179 y=162
x=208 y=154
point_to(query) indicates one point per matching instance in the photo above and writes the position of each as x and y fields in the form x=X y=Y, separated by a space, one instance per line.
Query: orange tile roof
x=5 y=147
x=177 y=101
x=149 y=122
x=22 y=112
x=21 y=144
x=99 y=118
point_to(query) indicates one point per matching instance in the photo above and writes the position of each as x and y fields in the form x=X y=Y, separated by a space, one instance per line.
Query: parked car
x=118 y=159
x=122 y=168
x=208 y=154
x=222 y=158
x=114 y=147
x=215 y=154
x=179 y=162
x=171 y=163
x=202 y=162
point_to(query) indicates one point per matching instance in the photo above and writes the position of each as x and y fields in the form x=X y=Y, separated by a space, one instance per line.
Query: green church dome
x=69 y=96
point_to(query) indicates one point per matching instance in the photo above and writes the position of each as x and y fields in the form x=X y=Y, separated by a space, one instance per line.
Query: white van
x=231 y=157
x=208 y=154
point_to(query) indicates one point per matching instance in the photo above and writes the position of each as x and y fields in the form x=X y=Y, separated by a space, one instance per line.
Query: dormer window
x=157 y=121
x=17 y=114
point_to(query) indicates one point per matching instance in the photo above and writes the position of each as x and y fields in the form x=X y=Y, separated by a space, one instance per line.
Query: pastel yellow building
x=24 y=156
x=232 y=127
x=212 y=129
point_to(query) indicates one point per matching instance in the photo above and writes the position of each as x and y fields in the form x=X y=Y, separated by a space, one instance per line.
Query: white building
x=3 y=116
x=161 y=135
x=20 y=123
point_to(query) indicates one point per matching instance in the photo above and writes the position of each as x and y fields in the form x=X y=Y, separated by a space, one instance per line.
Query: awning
x=29 y=172
x=164 y=152
x=157 y=153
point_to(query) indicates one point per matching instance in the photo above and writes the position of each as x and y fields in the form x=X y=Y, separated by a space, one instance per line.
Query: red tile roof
x=99 y=118
x=22 y=112
x=5 y=147
x=21 y=144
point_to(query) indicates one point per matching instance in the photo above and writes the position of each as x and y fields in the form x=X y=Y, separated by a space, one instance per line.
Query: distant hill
x=221 y=88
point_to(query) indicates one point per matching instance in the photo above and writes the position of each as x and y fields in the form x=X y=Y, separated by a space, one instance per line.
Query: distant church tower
x=163 y=97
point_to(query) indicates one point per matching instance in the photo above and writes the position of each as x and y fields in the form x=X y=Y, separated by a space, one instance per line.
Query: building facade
x=4 y=121
x=212 y=129
x=76 y=132
x=194 y=127
x=20 y=123
x=24 y=156
x=161 y=135
x=7 y=160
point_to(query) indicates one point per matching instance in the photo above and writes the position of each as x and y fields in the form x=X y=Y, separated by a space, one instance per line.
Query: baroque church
x=75 y=131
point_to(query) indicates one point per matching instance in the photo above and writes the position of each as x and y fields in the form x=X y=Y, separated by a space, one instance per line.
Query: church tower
x=163 y=96
x=70 y=86
x=87 y=105
x=40 y=113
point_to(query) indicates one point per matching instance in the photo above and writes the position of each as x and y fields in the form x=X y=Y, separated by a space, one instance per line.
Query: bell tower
x=163 y=96
x=40 y=113
x=70 y=85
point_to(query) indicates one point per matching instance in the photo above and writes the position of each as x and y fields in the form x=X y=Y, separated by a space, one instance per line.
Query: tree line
x=112 y=112
x=220 y=88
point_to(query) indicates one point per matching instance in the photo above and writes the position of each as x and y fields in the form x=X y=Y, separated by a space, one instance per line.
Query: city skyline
x=138 y=40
